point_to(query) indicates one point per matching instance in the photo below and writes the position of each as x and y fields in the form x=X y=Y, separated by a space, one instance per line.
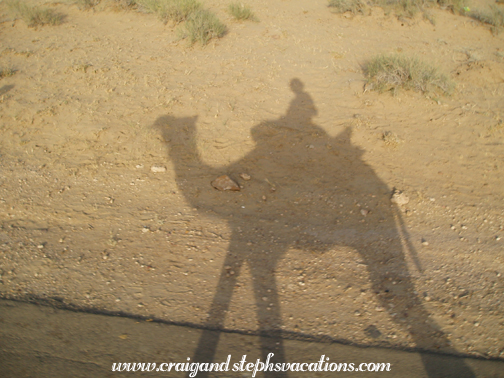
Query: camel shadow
x=307 y=191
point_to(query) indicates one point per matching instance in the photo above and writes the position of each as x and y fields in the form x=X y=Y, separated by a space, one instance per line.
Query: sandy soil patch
x=311 y=244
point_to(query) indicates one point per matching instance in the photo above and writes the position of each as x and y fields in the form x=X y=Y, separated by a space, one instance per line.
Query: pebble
x=364 y=212
x=225 y=183
x=399 y=198
x=245 y=176
x=158 y=169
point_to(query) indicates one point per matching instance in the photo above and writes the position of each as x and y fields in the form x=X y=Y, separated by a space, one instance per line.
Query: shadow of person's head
x=302 y=108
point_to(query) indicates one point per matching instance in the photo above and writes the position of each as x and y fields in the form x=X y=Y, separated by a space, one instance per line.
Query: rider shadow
x=310 y=192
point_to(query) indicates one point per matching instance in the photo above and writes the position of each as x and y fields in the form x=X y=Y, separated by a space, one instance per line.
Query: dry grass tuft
x=34 y=16
x=171 y=10
x=494 y=18
x=353 y=6
x=201 y=26
x=241 y=12
x=401 y=8
x=87 y=4
x=389 y=73
x=115 y=5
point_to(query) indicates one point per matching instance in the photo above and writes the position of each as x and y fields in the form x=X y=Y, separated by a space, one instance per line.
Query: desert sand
x=112 y=130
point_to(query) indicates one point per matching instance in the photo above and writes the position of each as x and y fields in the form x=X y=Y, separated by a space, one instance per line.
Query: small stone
x=425 y=242
x=158 y=169
x=245 y=176
x=428 y=299
x=40 y=246
x=225 y=183
x=264 y=198
x=139 y=166
x=379 y=309
x=399 y=198
x=145 y=229
x=364 y=212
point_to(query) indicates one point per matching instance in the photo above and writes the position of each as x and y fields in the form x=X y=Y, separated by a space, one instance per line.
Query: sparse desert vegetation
x=171 y=10
x=241 y=12
x=106 y=4
x=96 y=211
x=401 y=8
x=353 y=6
x=493 y=17
x=33 y=15
x=87 y=4
x=391 y=72
x=201 y=26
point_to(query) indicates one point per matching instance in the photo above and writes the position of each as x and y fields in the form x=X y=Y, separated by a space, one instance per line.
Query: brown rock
x=225 y=183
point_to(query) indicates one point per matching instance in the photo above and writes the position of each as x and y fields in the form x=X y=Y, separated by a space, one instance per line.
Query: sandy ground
x=40 y=341
x=311 y=245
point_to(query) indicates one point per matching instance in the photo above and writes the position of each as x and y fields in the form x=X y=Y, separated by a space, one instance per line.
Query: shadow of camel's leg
x=394 y=287
x=268 y=311
x=207 y=346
